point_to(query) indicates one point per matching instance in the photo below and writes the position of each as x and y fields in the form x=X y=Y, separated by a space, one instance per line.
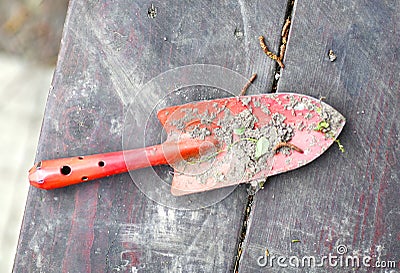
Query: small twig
x=285 y=31
x=269 y=53
x=251 y=80
x=264 y=47
x=282 y=51
x=284 y=35
x=289 y=145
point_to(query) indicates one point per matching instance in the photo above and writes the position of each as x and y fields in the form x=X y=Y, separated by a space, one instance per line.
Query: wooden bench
x=350 y=199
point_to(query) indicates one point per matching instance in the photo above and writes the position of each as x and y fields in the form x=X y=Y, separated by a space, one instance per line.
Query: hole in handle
x=65 y=170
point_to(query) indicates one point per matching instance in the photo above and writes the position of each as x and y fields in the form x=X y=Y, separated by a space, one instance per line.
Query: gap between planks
x=250 y=198
x=283 y=42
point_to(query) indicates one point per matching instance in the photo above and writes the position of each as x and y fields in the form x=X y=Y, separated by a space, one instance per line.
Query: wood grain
x=346 y=199
x=110 y=49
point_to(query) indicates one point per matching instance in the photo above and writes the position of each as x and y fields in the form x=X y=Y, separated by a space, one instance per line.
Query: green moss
x=323 y=127
x=341 y=147
x=323 y=124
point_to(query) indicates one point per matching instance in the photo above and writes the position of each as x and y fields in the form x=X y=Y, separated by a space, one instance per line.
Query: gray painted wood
x=346 y=199
x=109 y=49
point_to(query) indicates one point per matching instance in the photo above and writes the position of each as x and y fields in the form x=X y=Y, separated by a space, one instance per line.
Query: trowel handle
x=58 y=173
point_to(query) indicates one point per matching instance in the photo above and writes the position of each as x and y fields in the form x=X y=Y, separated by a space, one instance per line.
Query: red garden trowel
x=214 y=144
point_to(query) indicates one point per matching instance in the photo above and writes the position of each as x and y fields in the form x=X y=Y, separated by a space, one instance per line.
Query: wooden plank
x=348 y=199
x=109 y=49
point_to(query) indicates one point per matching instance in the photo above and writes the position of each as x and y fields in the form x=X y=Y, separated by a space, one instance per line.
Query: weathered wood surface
x=109 y=49
x=349 y=199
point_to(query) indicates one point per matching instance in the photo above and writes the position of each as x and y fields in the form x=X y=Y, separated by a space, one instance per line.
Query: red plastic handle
x=58 y=173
